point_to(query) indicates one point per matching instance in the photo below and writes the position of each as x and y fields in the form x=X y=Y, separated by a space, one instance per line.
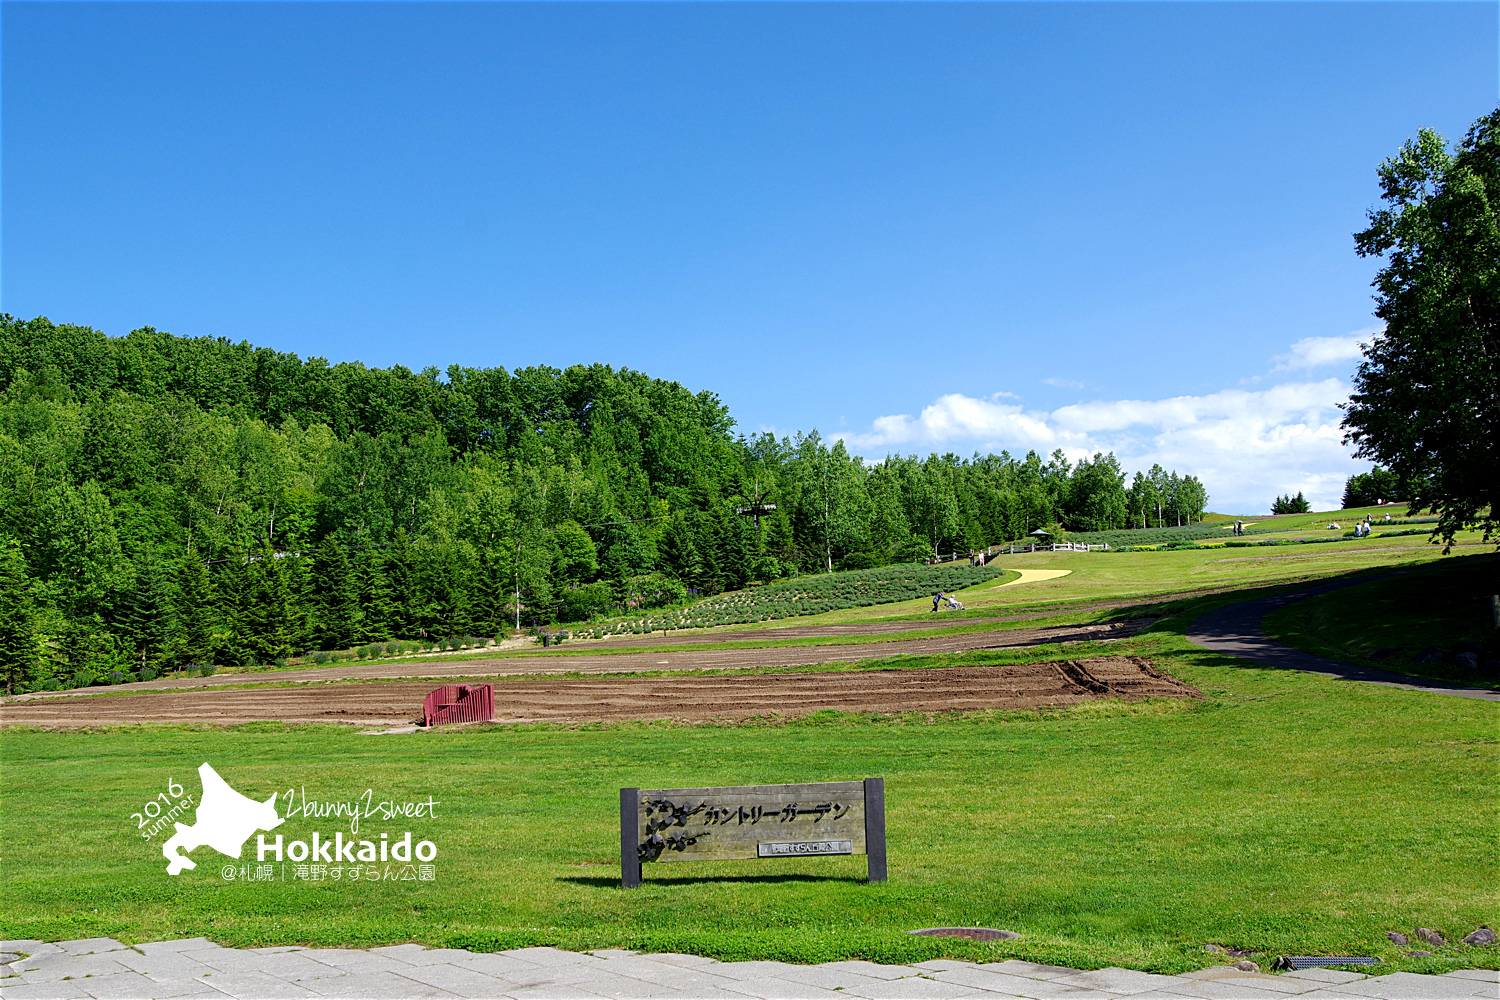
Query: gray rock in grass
x=1431 y=936
x=1246 y=966
x=1482 y=936
x=1429 y=655
x=1419 y=954
x=1398 y=939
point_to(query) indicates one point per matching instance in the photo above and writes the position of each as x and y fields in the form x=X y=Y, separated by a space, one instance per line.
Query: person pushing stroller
x=942 y=599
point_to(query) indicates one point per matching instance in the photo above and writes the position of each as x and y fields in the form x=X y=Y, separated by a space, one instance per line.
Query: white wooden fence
x=1000 y=550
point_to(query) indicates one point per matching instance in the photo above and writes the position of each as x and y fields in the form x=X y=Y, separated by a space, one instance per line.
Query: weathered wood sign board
x=752 y=821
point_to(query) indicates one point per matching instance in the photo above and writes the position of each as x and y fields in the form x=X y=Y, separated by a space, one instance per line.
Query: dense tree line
x=1288 y=504
x=1366 y=489
x=168 y=500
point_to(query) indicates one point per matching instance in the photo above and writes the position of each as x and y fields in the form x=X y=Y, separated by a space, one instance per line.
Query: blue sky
x=923 y=226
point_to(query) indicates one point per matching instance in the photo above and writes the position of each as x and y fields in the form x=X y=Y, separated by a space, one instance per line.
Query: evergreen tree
x=336 y=600
x=493 y=594
x=446 y=572
x=232 y=581
x=270 y=617
x=733 y=556
x=381 y=615
x=407 y=610
x=18 y=642
x=146 y=616
x=678 y=552
x=197 y=617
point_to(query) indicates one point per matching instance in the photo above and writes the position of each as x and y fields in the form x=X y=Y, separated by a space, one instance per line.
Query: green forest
x=169 y=500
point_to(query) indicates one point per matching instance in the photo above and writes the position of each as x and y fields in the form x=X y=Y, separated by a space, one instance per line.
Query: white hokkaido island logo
x=225 y=820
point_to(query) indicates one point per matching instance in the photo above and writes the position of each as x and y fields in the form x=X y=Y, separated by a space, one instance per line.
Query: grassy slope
x=1438 y=606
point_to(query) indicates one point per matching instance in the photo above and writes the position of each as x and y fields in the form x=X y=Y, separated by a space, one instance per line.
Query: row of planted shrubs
x=376 y=650
x=805 y=595
x=87 y=678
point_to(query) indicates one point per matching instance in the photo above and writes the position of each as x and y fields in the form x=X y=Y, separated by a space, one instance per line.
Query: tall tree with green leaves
x=1097 y=494
x=1426 y=399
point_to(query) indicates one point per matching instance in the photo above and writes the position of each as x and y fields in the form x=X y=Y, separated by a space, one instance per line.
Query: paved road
x=1236 y=630
x=198 y=969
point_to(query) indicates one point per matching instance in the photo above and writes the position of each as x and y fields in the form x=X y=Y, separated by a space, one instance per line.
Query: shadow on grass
x=1245 y=613
x=601 y=882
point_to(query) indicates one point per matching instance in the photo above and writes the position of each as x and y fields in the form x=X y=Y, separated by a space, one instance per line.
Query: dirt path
x=690 y=699
x=1035 y=576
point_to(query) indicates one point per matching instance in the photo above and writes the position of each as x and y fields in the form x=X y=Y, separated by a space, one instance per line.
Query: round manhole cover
x=968 y=933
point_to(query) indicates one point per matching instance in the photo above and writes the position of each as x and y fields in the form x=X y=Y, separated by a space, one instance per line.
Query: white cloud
x=1062 y=383
x=1246 y=446
x=1315 y=352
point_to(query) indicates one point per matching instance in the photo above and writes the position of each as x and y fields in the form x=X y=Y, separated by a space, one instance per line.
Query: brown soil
x=561 y=662
x=689 y=699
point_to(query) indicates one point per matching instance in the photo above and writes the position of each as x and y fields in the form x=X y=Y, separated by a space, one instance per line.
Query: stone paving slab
x=179 y=945
x=1227 y=989
x=1407 y=986
x=91 y=946
x=198 y=969
x=1325 y=975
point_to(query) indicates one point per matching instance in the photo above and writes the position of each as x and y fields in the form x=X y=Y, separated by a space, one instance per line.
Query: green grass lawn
x=1285 y=813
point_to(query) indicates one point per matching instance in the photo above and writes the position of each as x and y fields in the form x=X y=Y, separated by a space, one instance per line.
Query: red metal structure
x=459 y=703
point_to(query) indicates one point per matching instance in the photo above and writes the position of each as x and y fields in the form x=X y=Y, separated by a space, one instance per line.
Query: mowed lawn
x=1284 y=814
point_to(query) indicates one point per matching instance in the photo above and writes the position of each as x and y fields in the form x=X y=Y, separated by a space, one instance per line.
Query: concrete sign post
x=752 y=821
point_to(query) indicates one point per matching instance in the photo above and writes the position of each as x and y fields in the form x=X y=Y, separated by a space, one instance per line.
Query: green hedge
x=808 y=595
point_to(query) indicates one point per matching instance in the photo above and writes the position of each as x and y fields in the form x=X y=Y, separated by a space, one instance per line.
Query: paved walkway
x=198 y=969
x=1030 y=576
x=1236 y=630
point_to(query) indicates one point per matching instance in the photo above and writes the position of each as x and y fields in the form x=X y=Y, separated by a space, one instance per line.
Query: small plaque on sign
x=782 y=850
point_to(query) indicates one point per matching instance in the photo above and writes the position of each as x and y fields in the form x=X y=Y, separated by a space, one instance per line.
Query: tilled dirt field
x=688 y=699
x=562 y=662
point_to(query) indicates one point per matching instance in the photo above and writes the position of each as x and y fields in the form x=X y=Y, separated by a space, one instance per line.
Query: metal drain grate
x=1322 y=961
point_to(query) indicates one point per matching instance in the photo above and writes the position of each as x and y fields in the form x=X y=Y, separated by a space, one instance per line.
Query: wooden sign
x=752 y=821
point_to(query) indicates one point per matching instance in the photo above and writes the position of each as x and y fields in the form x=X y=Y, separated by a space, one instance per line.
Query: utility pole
x=756 y=509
